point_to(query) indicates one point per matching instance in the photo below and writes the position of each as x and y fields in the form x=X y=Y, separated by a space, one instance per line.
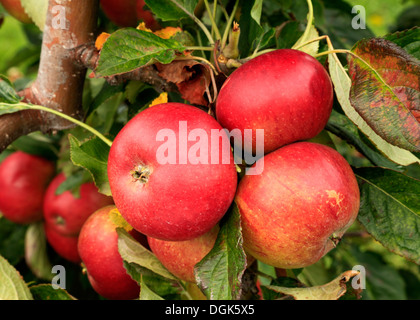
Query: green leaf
x=289 y=34
x=313 y=47
x=36 y=256
x=47 y=292
x=343 y=127
x=409 y=40
x=7 y=108
x=73 y=182
x=146 y=293
x=331 y=291
x=106 y=93
x=385 y=91
x=383 y=280
x=265 y=40
x=219 y=273
x=165 y=288
x=129 y=49
x=7 y=92
x=103 y=117
x=12 y=285
x=133 y=252
x=37 y=10
x=167 y=10
x=93 y=156
x=256 y=11
x=38 y=144
x=12 y=244
x=390 y=210
x=250 y=29
x=342 y=85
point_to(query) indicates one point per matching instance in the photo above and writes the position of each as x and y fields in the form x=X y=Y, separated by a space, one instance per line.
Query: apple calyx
x=59 y=220
x=141 y=173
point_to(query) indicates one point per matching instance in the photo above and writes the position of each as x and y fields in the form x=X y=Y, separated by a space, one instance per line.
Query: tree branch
x=60 y=81
x=68 y=51
x=87 y=56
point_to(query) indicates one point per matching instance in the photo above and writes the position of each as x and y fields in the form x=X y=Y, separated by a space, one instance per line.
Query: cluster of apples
x=78 y=227
x=175 y=193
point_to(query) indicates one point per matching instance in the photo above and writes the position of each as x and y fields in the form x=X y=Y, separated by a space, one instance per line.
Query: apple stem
x=258 y=53
x=197 y=21
x=185 y=290
x=195 y=48
x=310 y=21
x=213 y=22
x=333 y=51
x=310 y=41
x=71 y=119
x=228 y=24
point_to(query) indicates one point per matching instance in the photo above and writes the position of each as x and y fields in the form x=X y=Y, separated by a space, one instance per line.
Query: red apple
x=66 y=213
x=98 y=249
x=167 y=183
x=64 y=246
x=146 y=16
x=15 y=9
x=128 y=13
x=180 y=257
x=24 y=179
x=299 y=207
x=286 y=92
x=123 y=12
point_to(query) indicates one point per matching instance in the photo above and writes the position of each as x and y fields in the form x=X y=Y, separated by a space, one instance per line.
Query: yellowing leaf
x=116 y=217
x=168 y=32
x=99 y=43
x=165 y=33
x=142 y=26
x=311 y=48
x=331 y=291
x=385 y=91
x=342 y=85
x=163 y=98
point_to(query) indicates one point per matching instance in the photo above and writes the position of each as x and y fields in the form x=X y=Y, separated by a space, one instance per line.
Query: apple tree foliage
x=375 y=124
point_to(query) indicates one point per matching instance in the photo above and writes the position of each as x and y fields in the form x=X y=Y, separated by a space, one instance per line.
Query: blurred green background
x=384 y=16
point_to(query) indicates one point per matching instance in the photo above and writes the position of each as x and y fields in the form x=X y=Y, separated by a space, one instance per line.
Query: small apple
x=98 y=249
x=299 y=207
x=128 y=13
x=171 y=176
x=146 y=16
x=287 y=93
x=64 y=246
x=15 y=9
x=66 y=213
x=24 y=179
x=180 y=257
x=123 y=12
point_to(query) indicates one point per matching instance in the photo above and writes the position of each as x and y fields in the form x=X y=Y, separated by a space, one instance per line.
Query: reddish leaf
x=386 y=91
x=191 y=77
